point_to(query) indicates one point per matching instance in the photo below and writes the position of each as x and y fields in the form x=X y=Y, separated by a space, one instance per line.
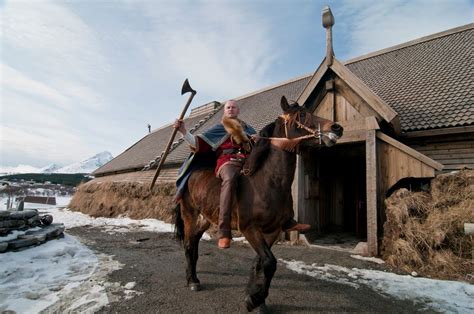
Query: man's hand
x=179 y=124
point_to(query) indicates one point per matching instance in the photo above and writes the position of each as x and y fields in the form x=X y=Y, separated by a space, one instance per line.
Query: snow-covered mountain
x=85 y=166
x=88 y=165
x=49 y=168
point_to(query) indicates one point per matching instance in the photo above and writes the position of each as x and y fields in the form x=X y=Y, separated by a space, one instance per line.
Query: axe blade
x=187 y=88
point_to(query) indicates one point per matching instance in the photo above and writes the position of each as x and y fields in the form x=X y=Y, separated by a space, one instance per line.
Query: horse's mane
x=259 y=151
x=262 y=147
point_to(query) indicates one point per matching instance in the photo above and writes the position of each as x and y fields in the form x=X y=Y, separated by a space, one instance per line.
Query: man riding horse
x=231 y=141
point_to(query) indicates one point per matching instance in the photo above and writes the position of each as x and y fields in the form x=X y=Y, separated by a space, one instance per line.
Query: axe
x=185 y=89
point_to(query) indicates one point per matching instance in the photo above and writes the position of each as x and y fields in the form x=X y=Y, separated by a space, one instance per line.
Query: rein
x=291 y=143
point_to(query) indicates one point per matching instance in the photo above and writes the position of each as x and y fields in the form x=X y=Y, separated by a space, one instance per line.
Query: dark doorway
x=334 y=198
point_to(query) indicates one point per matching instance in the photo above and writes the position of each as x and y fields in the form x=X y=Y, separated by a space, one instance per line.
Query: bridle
x=292 y=144
x=312 y=132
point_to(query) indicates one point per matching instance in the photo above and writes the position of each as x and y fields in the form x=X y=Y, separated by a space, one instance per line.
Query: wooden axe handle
x=185 y=89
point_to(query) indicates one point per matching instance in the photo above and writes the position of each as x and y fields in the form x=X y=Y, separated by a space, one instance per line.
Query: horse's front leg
x=262 y=271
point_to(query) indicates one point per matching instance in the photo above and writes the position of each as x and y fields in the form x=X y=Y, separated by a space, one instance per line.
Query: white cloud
x=18 y=82
x=225 y=47
x=375 y=25
x=56 y=37
x=48 y=43
x=66 y=76
x=45 y=144
x=82 y=77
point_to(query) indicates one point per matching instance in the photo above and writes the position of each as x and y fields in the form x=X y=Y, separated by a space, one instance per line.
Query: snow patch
x=35 y=279
x=439 y=295
x=72 y=219
x=369 y=259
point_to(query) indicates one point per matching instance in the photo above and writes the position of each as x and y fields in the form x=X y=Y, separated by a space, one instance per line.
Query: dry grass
x=112 y=199
x=424 y=232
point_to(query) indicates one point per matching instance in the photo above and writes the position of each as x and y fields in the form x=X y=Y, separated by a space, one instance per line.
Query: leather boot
x=301 y=228
x=224 y=243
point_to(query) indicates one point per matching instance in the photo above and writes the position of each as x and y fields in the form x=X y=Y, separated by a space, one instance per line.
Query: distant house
x=407 y=111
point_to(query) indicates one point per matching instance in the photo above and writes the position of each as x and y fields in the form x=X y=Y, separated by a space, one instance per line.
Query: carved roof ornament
x=328 y=22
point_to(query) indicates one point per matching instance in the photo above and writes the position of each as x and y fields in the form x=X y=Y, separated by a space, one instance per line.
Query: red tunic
x=222 y=159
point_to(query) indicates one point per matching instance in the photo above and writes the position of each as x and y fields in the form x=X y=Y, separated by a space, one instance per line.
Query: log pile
x=28 y=227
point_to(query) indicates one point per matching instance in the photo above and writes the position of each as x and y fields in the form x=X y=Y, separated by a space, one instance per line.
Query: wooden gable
x=335 y=93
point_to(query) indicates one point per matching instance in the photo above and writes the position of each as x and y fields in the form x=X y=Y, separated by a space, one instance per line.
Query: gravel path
x=156 y=263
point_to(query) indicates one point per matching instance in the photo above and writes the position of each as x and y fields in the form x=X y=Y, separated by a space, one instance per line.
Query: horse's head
x=301 y=127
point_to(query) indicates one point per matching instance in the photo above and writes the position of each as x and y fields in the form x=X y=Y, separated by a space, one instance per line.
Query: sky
x=84 y=76
x=64 y=275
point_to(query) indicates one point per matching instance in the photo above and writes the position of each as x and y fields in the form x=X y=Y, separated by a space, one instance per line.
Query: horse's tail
x=178 y=223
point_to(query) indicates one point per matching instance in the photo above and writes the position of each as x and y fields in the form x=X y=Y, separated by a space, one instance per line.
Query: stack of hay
x=133 y=199
x=424 y=232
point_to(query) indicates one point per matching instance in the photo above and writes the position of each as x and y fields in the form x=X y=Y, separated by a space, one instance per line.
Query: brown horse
x=263 y=201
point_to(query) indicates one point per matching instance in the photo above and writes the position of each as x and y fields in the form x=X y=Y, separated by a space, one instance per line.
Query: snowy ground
x=65 y=276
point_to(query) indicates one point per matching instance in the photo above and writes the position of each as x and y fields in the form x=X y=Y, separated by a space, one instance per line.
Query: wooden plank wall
x=453 y=154
x=308 y=198
x=338 y=109
x=395 y=164
x=344 y=110
x=326 y=108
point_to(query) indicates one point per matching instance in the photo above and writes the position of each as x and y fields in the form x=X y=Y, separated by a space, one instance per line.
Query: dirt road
x=155 y=262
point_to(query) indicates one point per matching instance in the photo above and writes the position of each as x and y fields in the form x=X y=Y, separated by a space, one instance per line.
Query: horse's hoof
x=195 y=286
x=263 y=309
x=249 y=304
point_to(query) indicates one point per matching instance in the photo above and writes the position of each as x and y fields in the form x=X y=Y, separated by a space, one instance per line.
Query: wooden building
x=407 y=112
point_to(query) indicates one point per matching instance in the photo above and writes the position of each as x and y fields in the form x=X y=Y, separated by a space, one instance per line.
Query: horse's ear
x=284 y=104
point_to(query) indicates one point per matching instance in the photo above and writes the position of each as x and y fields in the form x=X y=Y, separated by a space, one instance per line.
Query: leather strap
x=230 y=151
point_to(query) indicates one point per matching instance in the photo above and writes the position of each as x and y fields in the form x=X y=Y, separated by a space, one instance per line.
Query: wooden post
x=332 y=94
x=297 y=191
x=469 y=230
x=371 y=178
x=328 y=22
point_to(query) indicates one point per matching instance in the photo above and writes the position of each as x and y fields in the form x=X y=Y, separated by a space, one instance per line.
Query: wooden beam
x=443 y=131
x=320 y=94
x=371 y=123
x=371 y=186
x=363 y=91
x=332 y=96
x=352 y=137
x=297 y=191
x=410 y=151
x=368 y=123
x=468 y=228
x=317 y=76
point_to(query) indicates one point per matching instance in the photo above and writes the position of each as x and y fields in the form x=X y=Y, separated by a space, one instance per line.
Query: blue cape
x=215 y=136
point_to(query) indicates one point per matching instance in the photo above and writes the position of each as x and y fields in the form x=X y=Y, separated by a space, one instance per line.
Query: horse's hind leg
x=263 y=269
x=193 y=231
